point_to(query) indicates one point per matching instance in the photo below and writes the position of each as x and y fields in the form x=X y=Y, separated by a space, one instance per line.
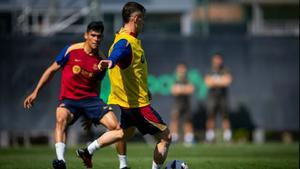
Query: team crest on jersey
x=76 y=69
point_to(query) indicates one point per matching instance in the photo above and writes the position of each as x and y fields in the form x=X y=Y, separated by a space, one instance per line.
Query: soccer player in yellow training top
x=128 y=76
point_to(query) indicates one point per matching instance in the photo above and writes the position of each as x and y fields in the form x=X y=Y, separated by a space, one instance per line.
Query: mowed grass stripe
x=200 y=156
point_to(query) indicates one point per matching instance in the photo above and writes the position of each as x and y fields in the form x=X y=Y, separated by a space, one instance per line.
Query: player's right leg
x=210 y=129
x=99 y=113
x=174 y=126
x=110 y=121
x=104 y=140
x=63 y=115
x=188 y=128
x=188 y=133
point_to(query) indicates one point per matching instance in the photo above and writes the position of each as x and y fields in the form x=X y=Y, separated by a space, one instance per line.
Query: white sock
x=60 y=150
x=227 y=135
x=156 y=166
x=189 y=138
x=123 y=161
x=174 y=137
x=93 y=147
x=210 y=135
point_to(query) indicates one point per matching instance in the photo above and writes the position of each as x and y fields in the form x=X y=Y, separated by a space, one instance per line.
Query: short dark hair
x=131 y=7
x=183 y=63
x=218 y=53
x=96 y=26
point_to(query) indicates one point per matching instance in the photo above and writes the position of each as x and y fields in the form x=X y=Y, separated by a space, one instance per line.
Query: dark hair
x=218 y=54
x=96 y=26
x=182 y=63
x=131 y=7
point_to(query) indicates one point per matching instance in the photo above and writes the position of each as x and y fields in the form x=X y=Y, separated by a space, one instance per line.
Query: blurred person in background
x=181 y=91
x=218 y=81
x=79 y=94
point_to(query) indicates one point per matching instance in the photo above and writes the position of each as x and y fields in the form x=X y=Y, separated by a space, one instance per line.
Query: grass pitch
x=200 y=156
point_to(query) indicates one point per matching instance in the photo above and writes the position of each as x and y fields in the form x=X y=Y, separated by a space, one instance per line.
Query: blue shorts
x=92 y=108
x=145 y=119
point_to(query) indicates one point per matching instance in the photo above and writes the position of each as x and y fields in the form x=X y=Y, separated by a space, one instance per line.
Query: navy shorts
x=145 y=119
x=92 y=108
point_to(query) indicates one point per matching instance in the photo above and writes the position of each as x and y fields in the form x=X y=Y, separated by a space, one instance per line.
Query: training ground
x=200 y=156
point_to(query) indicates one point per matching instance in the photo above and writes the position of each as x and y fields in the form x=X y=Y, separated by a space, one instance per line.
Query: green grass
x=201 y=156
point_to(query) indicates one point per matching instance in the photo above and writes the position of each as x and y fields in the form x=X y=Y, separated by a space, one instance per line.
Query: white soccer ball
x=184 y=166
x=177 y=164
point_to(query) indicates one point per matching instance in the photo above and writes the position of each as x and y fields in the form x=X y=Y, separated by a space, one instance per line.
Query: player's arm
x=188 y=89
x=60 y=60
x=149 y=95
x=182 y=89
x=47 y=75
x=225 y=80
x=209 y=81
x=176 y=88
x=121 y=55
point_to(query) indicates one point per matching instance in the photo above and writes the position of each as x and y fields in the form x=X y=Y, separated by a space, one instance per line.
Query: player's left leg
x=150 y=122
x=210 y=121
x=161 y=150
x=227 y=133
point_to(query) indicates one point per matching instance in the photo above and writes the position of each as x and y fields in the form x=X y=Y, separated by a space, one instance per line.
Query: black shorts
x=182 y=112
x=92 y=108
x=145 y=119
x=217 y=105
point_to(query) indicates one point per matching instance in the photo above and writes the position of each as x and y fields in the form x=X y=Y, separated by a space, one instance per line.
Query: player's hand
x=103 y=64
x=28 y=102
x=149 y=95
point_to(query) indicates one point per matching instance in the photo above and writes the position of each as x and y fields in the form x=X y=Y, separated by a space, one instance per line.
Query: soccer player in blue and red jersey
x=79 y=94
x=129 y=89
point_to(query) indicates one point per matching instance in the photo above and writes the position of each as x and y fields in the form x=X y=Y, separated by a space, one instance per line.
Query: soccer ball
x=177 y=164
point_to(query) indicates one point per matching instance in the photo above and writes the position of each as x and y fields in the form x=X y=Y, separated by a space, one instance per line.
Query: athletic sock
x=93 y=147
x=174 y=137
x=189 y=138
x=210 y=135
x=60 y=150
x=123 y=161
x=227 y=135
x=156 y=166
